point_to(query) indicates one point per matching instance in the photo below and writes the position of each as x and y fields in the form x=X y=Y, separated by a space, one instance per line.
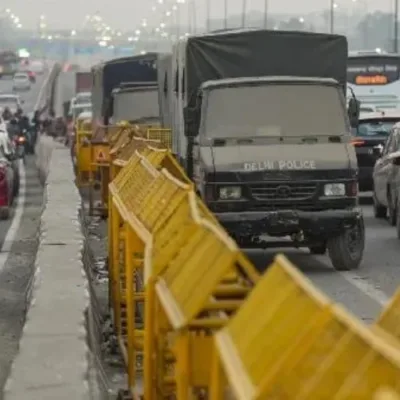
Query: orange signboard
x=371 y=80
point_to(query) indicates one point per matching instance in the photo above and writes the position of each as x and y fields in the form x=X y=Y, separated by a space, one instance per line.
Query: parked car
x=386 y=179
x=21 y=81
x=369 y=137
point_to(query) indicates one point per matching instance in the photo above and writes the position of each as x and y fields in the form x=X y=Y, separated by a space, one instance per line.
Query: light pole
x=396 y=26
x=244 y=11
x=332 y=16
x=225 y=14
x=208 y=14
x=265 y=14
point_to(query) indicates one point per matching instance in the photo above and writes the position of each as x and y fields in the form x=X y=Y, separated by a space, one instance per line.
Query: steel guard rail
x=189 y=303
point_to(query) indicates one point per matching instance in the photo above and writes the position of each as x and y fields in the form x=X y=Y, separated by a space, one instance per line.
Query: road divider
x=53 y=356
x=187 y=301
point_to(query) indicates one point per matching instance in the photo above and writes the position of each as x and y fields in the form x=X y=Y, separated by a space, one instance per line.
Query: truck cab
x=272 y=156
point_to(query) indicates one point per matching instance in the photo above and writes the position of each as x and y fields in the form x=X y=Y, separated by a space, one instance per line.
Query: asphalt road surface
x=363 y=291
x=18 y=246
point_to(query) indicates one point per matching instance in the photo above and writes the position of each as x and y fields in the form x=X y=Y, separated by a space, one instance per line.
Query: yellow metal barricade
x=300 y=347
x=161 y=134
x=105 y=140
x=386 y=394
x=389 y=320
x=83 y=159
x=131 y=223
x=185 y=298
x=202 y=279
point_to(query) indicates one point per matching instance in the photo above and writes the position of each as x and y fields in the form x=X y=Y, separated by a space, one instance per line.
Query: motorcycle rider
x=13 y=128
x=7 y=114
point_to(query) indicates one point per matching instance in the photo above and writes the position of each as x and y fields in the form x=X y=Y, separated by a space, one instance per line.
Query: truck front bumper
x=323 y=224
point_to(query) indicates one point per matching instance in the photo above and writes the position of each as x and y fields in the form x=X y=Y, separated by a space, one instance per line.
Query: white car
x=11 y=101
x=37 y=66
x=21 y=81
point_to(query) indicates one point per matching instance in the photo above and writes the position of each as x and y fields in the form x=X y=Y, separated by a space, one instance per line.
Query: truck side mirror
x=192 y=121
x=354 y=112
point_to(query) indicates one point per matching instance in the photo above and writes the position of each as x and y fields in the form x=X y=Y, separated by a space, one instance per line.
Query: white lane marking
x=365 y=287
x=17 y=217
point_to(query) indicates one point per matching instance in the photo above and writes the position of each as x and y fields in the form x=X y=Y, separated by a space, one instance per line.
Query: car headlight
x=230 y=193
x=334 y=189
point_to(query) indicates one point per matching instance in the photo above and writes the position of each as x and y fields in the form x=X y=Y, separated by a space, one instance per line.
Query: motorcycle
x=20 y=143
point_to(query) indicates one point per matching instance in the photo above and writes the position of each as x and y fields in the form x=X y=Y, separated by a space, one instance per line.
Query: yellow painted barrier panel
x=386 y=394
x=83 y=157
x=209 y=323
x=306 y=347
x=163 y=135
x=389 y=320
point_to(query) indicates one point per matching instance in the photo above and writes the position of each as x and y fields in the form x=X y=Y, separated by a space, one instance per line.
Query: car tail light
x=357 y=142
x=21 y=139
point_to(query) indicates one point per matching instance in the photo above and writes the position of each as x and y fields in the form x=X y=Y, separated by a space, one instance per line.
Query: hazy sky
x=125 y=14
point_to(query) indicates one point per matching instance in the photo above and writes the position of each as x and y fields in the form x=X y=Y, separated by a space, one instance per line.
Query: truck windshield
x=132 y=105
x=274 y=110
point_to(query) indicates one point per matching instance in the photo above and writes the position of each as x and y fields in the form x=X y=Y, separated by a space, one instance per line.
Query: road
x=364 y=291
x=18 y=244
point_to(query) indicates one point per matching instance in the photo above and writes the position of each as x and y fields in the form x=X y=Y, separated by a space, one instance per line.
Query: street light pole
x=396 y=26
x=208 y=13
x=332 y=16
x=225 y=14
x=265 y=14
x=244 y=11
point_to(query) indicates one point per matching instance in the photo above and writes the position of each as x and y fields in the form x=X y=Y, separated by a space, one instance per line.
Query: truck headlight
x=230 y=193
x=334 y=189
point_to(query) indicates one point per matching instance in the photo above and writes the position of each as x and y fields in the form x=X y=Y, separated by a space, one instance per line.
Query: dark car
x=369 y=139
x=386 y=178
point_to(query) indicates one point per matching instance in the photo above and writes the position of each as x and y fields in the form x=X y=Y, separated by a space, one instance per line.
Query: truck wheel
x=346 y=250
x=319 y=249
x=379 y=210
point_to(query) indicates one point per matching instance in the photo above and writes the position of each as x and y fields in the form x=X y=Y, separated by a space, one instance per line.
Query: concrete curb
x=53 y=359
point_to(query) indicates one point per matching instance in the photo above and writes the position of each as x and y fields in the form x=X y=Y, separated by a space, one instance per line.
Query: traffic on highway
x=18 y=129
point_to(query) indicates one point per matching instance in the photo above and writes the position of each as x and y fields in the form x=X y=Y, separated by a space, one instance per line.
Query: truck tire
x=346 y=250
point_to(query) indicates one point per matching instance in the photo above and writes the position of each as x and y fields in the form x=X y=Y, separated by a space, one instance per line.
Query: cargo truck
x=261 y=126
x=109 y=75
